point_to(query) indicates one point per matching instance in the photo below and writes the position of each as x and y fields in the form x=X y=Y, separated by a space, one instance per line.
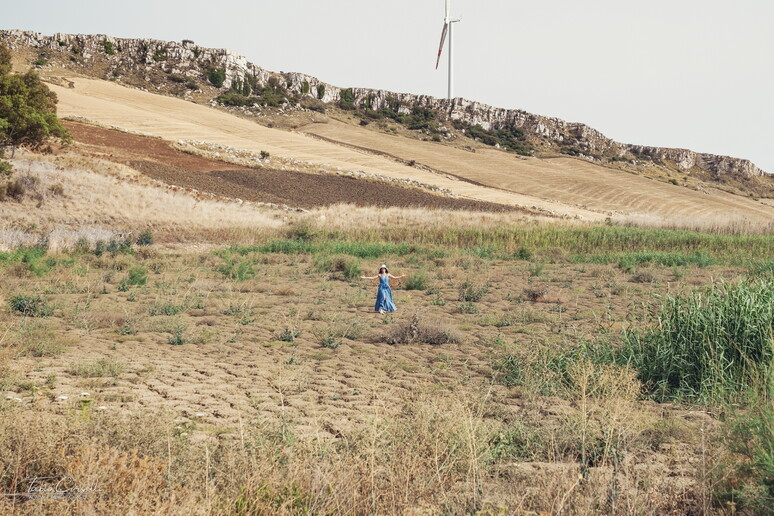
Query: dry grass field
x=168 y=349
x=258 y=379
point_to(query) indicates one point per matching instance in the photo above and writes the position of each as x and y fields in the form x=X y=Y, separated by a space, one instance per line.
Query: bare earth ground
x=233 y=369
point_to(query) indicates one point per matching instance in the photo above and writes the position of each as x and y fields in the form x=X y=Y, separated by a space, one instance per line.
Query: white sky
x=697 y=74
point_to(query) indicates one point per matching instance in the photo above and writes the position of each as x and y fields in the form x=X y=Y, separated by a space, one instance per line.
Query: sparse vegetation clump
x=104 y=367
x=509 y=138
x=29 y=305
x=420 y=330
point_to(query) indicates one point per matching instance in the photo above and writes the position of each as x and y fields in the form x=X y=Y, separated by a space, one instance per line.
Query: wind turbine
x=447 y=28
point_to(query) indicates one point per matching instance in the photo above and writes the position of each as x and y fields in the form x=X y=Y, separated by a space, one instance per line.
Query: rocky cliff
x=149 y=63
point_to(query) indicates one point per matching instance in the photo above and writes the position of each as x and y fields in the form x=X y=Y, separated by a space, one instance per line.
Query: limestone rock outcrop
x=121 y=59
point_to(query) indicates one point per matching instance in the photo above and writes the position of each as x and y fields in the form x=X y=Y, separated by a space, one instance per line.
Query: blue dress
x=384 y=295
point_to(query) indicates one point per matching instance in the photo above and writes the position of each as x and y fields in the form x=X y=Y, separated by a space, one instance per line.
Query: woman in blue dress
x=384 y=302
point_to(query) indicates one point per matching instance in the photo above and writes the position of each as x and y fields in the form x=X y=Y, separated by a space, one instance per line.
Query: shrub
x=467 y=308
x=177 y=338
x=233 y=98
x=165 y=308
x=216 y=76
x=330 y=341
x=305 y=87
x=418 y=331
x=265 y=155
x=343 y=266
x=32 y=306
x=15 y=190
x=137 y=276
x=289 y=334
x=6 y=169
x=103 y=367
x=347 y=99
x=145 y=238
x=160 y=54
x=320 y=91
x=416 y=281
x=708 y=346
x=236 y=269
x=109 y=49
x=472 y=293
x=509 y=137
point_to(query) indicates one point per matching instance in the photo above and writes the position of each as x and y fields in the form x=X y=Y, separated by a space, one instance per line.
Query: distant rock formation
x=134 y=60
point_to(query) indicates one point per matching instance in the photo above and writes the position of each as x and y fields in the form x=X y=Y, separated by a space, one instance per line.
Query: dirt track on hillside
x=157 y=158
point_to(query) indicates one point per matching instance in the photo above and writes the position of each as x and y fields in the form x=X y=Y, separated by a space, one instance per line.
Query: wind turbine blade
x=440 y=47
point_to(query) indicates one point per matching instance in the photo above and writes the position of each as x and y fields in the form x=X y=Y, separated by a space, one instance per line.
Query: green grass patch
x=33 y=259
x=625 y=246
x=710 y=346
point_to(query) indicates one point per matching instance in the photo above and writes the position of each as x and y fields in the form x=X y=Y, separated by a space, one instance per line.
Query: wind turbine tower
x=448 y=21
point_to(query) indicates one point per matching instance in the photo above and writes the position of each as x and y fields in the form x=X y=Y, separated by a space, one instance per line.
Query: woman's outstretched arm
x=368 y=277
x=397 y=277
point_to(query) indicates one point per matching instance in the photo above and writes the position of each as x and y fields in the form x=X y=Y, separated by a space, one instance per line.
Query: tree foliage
x=27 y=108
x=216 y=76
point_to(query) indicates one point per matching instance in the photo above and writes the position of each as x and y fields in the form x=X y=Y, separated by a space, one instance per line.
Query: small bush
x=233 y=98
x=137 y=276
x=6 y=169
x=416 y=281
x=109 y=48
x=145 y=238
x=302 y=231
x=216 y=76
x=165 y=308
x=418 y=331
x=472 y=293
x=289 y=334
x=236 y=269
x=330 y=341
x=177 y=338
x=467 y=308
x=320 y=91
x=347 y=99
x=535 y=294
x=31 y=306
x=305 y=87
x=104 y=367
x=343 y=266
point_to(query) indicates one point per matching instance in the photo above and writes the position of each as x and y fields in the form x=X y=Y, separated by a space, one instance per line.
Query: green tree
x=27 y=109
x=216 y=76
x=347 y=99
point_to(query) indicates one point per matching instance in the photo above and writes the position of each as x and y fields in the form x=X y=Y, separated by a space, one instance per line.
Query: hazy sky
x=679 y=73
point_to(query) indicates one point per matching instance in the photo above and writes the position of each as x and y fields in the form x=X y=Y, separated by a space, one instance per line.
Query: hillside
x=421 y=140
